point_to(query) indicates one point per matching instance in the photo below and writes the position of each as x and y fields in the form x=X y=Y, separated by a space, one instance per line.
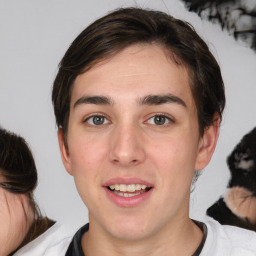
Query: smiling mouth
x=130 y=190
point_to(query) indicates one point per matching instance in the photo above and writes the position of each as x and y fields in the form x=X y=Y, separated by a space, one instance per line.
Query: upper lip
x=126 y=181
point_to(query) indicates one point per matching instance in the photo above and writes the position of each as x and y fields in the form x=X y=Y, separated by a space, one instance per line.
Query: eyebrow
x=147 y=100
x=97 y=100
x=161 y=99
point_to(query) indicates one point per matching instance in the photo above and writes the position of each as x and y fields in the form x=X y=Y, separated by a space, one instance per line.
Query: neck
x=181 y=237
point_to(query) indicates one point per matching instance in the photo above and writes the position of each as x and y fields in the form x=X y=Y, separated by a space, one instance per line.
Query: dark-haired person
x=15 y=219
x=138 y=101
x=23 y=230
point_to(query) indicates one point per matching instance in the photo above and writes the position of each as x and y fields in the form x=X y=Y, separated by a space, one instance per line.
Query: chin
x=130 y=229
x=130 y=234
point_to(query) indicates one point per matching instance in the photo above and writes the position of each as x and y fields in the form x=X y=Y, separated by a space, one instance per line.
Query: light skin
x=242 y=203
x=133 y=120
x=15 y=219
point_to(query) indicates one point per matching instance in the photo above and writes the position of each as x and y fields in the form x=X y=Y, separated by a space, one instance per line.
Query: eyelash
x=166 y=117
x=106 y=120
x=95 y=116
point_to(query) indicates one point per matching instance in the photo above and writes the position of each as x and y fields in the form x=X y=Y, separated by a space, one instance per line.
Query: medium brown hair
x=124 y=27
x=18 y=167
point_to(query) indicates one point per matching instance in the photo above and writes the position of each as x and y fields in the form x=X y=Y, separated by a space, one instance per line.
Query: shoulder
x=52 y=242
x=228 y=240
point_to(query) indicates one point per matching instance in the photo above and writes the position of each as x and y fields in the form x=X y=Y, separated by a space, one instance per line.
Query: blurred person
x=24 y=231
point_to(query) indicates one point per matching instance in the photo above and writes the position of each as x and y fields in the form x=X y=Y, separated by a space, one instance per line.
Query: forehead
x=133 y=72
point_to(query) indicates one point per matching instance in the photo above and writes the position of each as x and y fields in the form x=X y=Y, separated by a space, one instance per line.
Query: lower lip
x=128 y=201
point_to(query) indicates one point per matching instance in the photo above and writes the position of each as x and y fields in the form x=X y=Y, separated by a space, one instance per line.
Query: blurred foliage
x=238 y=17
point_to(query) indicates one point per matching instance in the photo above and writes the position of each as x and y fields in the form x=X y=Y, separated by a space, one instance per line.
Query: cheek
x=175 y=161
x=87 y=157
x=86 y=153
x=174 y=152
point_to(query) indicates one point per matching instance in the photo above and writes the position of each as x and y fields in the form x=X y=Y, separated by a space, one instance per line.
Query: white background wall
x=34 y=36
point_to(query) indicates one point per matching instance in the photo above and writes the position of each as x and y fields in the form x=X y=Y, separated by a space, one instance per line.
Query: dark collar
x=203 y=227
x=75 y=247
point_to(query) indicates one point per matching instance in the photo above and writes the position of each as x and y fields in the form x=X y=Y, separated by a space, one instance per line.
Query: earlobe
x=207 y=144
x=64 y=151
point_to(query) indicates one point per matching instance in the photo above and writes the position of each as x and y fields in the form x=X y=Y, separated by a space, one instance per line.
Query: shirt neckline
x=75 y=247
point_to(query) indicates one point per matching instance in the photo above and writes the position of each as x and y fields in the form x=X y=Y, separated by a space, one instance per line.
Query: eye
x=96 y=120
x=11 y=187
x=159 y=120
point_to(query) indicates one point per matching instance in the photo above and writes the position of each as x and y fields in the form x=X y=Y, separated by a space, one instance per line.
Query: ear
x=207 y=144
x=64 y=151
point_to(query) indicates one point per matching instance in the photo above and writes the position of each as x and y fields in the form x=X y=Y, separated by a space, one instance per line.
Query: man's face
x=133 y=142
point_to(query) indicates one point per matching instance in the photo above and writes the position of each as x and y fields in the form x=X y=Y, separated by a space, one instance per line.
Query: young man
x=138 y=100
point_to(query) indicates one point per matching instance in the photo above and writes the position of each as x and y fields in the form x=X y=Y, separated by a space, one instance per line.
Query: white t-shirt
x=53 y=242
x=224 y=240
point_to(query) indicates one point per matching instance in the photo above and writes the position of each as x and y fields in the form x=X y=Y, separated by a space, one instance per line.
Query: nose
x=127 y=147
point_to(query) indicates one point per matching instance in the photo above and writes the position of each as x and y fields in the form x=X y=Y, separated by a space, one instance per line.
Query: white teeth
x=131 y=188
x=143 y=187
x=123 y=188
x=127 y=194
x=127 y=188
x=138 y=187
